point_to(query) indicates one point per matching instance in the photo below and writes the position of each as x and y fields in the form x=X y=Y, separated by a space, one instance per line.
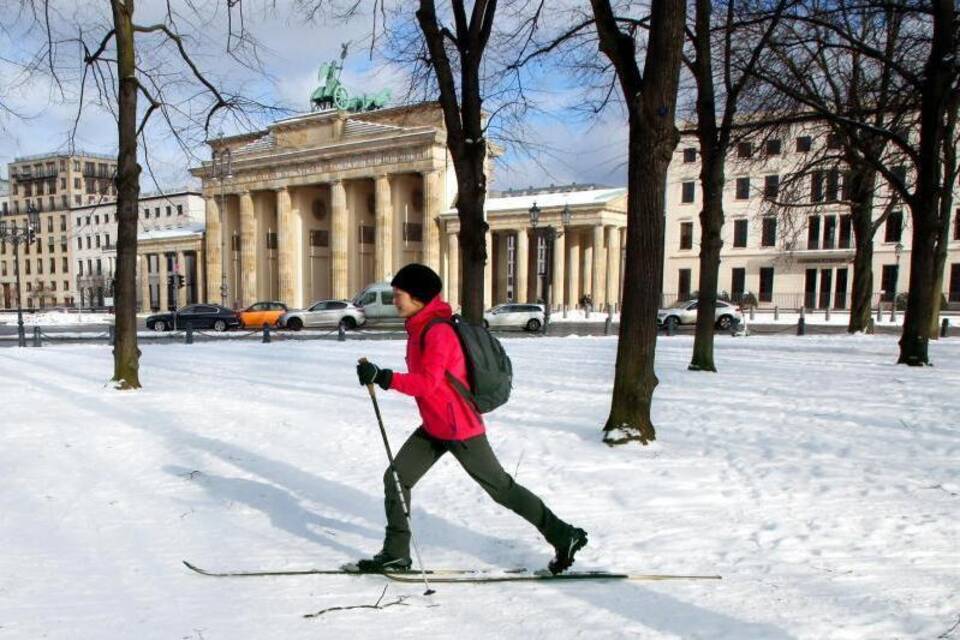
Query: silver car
x=685 y=312
x=325 y=313
x=513 y=315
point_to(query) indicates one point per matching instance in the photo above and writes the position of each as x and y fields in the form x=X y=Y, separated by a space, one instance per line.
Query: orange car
x=260 y=313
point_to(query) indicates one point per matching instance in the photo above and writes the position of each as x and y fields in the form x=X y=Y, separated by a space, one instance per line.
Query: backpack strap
x=461 y=388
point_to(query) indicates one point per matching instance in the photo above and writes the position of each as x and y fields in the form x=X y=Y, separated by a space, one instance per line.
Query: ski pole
x=396 y=481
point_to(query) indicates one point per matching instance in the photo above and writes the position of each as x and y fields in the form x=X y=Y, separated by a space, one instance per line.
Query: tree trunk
x=473 y=247
x=126 y=354
x=946 y=206
x=939 y=75
x=862 y=185
x=651 y=101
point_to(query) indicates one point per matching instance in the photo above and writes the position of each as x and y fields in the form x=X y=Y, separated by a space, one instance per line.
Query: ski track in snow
x=817 y=477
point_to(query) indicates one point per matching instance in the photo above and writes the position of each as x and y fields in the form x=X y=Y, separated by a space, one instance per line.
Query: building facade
x=53 y=184
x=320 y=205
x=801 y=257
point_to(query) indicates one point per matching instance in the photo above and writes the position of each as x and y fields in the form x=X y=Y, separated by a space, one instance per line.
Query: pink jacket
x=446 y=414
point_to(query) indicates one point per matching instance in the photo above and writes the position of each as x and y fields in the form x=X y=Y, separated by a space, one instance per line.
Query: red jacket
x=446 y=415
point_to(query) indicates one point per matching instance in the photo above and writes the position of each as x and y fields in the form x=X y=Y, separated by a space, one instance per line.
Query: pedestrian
x=450 y=425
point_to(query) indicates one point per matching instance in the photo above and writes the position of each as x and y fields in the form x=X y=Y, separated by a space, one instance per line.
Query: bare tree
x=738 y=38
x=930 y=73
x=121 y=70
x=650 y=97
x=820 y=78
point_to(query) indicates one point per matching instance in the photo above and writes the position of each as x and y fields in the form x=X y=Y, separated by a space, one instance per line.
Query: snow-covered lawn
x=57 y=318
x=821 y=480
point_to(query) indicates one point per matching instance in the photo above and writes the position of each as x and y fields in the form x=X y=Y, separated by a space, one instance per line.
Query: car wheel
x=533 y=325
x=672 y=323
x=348 y=323
x=159 y=326
x=724 y=322
x=295 y=324
x=219 y=325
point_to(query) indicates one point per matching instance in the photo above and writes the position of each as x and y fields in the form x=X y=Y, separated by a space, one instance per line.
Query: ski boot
x=566 y=549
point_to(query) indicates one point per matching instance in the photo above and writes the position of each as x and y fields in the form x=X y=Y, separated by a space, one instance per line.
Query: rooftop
x=75 y=154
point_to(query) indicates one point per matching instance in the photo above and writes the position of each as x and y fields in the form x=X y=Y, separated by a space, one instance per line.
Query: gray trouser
x=421 y=451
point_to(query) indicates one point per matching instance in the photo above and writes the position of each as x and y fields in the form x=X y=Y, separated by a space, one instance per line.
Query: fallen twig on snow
x=375 y=605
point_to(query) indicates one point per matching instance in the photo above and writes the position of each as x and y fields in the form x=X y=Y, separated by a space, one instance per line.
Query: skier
x=450 y=424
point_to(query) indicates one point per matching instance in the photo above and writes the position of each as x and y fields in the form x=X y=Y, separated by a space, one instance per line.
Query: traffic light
x=181 y=281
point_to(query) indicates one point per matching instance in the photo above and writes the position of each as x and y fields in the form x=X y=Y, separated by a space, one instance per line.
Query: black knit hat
x=419 y=280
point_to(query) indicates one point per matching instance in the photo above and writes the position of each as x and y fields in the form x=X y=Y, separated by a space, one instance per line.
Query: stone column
x=586 y=264
x=214 y=241
x=596 y=284
x=573 y=280
x=164 y=298
x=248 y=251
x=285 y=252
x=339 y=241
x=613 y=266
x=383 y=216
x=522 y=265
x=144 y=283
x=488 y=273
x=431 y=209
x=557 y=298
x=453 y=265
x=182 y=270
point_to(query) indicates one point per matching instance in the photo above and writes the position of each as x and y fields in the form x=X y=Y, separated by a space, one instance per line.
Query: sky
x=558 y=144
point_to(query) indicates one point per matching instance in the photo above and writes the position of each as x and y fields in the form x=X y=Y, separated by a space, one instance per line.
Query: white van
x=376 y=301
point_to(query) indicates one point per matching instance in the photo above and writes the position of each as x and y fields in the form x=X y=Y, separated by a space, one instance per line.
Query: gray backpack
x=489 y=370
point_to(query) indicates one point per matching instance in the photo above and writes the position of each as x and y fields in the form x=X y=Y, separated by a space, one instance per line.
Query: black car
x=195 y=316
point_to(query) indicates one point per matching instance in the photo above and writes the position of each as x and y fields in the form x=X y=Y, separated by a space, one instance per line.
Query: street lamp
x=222 y=165
x=17 y=235
x=550 y=235
x=897 y=252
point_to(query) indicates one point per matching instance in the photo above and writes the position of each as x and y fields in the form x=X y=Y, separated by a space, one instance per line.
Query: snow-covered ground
x=817 y=477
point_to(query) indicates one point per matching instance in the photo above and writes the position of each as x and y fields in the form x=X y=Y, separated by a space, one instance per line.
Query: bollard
x=36 y=337
x=826 y=314
x=893 y=312
x=564 y=312
x=879 y=311
x=112 y=335
x=944 y=328
x=801 y=325
x=870 y=327
x=753 y=314
x=586 y=311
x=266 y=333
x=776 y=313
x=734 y=327
x=671 y=328
x=341 y=333
x=608 y=325
x=188 y=336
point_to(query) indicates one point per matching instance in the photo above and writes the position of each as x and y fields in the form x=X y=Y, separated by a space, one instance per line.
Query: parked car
x=685 y=312
x=260 y=313
x=518 y=316
x=196 y=316
x=325 y=313
x=376 y=302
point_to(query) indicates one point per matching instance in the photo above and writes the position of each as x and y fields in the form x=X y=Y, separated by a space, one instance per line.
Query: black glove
x=369 y=373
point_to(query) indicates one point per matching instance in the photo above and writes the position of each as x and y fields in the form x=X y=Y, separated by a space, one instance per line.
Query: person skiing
x=450 y=424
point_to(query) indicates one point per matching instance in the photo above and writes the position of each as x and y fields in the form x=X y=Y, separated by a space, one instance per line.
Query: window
x=740 y=232
x=840 y=293
x=50 y=224
x=773 y=147
x=88 y=243
x=771 y=187
x=833 y=185
x=76 y=165
x=829 y=232
x=956 y=225
x=813 y=232
x=79 y=243
x=744 y=149
x=688 y=190
x=804 y=144
x=271 y=240
x=412 y=232
x=106 y=240
x=683 y=284
x=846 y=227
x=816 y=186
x=66 y=285
x=88 y=221
x=53 y=265
x=99 y=267
x=26 y=263
x=689 y=155
x=833 y=141
x=954 y=283
x=63 y=223
x=768 y=236
x=367 y=234
x=169 y=211
x=64 y=264
x=686 y=235
x=894 y=228
x=888 y=282
x=179 y=209
x=96 y=219
x=3 y=268
x=98 y=240
x=319 y=238
x=156 y=212
x=743 y=188
x=766 y=284
x=39 y=265
x=76 y=183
